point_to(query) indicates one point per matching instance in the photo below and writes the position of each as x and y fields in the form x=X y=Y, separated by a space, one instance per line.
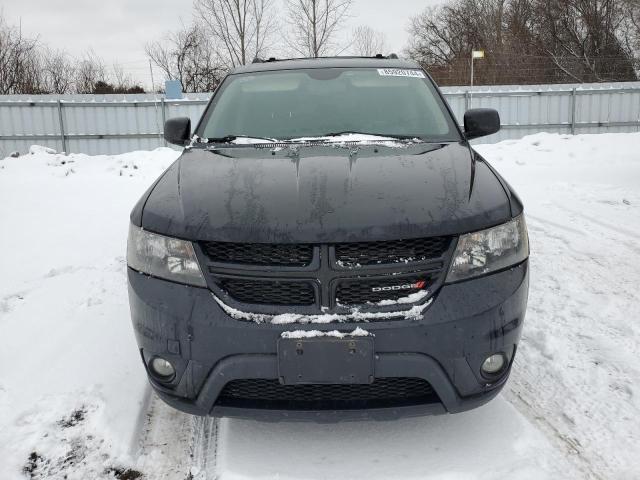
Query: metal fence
x=110 y=124
x=571 y=108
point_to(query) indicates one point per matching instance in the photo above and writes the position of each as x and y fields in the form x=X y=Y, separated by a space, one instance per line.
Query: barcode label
x=399 y=72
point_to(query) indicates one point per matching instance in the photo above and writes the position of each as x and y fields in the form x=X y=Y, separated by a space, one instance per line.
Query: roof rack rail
x=391 y=56
x=268 y=60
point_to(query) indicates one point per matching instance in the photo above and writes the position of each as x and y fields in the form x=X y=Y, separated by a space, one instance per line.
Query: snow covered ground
x=577 y=373
x=73 y=397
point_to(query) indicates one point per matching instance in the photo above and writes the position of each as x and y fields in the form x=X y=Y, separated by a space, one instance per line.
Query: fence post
x=63 y=138
x=467 y=100
x=164 y=119
x=573 y=111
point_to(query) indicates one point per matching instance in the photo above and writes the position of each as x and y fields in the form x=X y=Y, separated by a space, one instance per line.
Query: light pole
x=474 y=54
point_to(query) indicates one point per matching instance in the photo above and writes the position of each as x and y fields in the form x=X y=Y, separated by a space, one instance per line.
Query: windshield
x=312 y=103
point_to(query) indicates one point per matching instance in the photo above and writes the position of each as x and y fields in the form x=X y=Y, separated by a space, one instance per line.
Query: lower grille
x=383 y=392
x=362 y=291
x=270 y=292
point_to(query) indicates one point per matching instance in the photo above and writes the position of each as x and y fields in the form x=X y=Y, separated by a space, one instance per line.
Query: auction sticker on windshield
x=398 y=72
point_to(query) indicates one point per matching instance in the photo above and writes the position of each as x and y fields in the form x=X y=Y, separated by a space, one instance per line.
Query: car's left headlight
x=490 y=250
x=164 y=257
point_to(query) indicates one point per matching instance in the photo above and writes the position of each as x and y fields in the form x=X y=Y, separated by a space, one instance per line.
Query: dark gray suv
x=328 y=246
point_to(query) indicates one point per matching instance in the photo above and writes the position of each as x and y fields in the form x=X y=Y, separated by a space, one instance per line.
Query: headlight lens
x=163 y=257
x=490 y=250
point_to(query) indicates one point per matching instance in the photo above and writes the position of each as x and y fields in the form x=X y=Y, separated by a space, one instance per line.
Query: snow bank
x=39 y=150
x=68 y=345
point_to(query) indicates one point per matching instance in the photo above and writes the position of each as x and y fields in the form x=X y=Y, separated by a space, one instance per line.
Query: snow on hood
x=333 y=139
x=252 y=141
x=359 y=138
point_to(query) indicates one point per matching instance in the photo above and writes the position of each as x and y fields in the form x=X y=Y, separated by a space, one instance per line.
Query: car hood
x=325 y=194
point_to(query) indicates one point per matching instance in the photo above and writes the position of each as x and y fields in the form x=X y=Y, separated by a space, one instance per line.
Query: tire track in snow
x=177 y=446
x=607 y=226
x=204 y=448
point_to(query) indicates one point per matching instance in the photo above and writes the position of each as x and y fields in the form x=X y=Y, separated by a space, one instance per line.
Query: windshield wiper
x=381 y=135
x=232 y=138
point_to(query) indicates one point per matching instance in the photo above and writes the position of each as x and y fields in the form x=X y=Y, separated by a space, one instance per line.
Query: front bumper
x=464 y=324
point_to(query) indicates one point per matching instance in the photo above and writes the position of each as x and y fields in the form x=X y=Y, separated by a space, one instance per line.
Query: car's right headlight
x=164 y=257
x=490 y=250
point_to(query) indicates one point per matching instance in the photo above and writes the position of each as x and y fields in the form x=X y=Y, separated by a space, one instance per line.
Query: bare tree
x=442 y=34
x=121 y=82
x=525 y=40
x=367 y=42
x=120 y=77
x=585 y=37
x=188 y=56
x=241 y=29
x=19 y=68
x=58 y=71
x=631 y=28
x=314 y=25
x=89 y=71
x=28 y=67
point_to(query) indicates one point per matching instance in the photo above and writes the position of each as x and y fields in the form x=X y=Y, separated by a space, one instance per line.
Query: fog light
x=493 y=364
x=162 y=368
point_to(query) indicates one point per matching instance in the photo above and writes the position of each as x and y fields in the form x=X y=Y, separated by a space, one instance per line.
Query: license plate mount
x=326 y=360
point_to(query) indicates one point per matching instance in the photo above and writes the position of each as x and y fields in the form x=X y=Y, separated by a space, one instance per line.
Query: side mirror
x=480 y=122
x=177 y=130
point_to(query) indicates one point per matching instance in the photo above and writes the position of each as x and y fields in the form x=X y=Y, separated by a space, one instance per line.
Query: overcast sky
x=117 y=30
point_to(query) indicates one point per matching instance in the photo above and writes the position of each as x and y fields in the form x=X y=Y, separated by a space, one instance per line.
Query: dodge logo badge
x=419 y=285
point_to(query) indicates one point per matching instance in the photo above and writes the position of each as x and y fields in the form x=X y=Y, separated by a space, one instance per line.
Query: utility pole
x=153 y=89
x=474 y=54
x=153 y=86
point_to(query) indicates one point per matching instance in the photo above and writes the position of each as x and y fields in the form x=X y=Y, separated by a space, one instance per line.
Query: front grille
x=323 y=277
x=270 y=292
x=395 y=251
x=383 y=392
x=280 y=255
x=359 y=291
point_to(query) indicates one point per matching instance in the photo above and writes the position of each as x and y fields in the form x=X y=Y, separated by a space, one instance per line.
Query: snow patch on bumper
x=355 y=315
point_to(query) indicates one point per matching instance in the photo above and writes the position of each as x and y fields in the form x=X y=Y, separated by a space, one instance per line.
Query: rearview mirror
x=480 y=122
x=177 y=130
